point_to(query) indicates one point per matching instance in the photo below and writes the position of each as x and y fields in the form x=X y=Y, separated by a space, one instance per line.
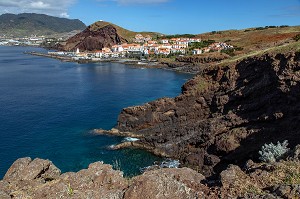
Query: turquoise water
x=48 y=107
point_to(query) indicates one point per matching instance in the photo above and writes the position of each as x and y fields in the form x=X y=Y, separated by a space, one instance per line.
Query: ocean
x=48 y=109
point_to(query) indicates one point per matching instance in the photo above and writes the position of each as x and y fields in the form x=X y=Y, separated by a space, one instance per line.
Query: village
x=145 y=46
x=23 y=41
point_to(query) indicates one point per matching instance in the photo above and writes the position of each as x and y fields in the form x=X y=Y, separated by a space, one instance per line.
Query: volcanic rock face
x=41 y=179
x=93 y=39
x=223 y=115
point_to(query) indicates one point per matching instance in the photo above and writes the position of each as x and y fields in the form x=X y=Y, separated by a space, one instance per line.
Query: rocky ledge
x=39 y=178
x=224 y=115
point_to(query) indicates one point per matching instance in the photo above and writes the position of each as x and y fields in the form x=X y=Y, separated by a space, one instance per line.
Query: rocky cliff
x=39 y=178
x=94 y=38
x=223 y=115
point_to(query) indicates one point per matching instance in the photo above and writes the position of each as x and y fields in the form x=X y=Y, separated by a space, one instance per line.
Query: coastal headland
x=223 y=115
x=242 y=97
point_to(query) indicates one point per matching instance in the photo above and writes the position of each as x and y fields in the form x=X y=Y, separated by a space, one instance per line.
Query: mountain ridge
x=18 y=25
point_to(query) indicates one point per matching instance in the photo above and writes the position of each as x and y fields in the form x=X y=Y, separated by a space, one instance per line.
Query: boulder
x=181 y=183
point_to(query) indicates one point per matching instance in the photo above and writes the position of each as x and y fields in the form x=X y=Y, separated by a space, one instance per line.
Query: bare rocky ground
x=40 y=178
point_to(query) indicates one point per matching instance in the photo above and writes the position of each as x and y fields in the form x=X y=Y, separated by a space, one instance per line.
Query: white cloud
x=50 y=7
x=64 y=15
x=39 y=5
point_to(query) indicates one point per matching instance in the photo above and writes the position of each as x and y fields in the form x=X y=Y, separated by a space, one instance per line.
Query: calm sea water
x=48 y=107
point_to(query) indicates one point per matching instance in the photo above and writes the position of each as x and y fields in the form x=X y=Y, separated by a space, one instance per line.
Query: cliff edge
x=223 y=115
x=39 y=178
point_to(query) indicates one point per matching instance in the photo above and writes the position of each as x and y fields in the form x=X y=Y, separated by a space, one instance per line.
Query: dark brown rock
x=227 y=112
x=166 y=183
x=287 y=191
x=92 y=39
x=41 y=179
x=99 y=181
x=27 y=169
x=257 y=181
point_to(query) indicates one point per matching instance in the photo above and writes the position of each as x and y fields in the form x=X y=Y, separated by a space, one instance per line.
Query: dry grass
x=254 y=41
x=293 y=46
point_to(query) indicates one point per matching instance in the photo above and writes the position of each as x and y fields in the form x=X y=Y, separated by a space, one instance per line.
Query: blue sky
x=167 y=16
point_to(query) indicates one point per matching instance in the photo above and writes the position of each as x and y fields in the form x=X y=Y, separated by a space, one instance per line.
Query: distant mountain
x=101 y=34
x=26 y=24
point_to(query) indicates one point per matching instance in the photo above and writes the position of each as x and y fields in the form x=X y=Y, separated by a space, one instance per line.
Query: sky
x=167 y=16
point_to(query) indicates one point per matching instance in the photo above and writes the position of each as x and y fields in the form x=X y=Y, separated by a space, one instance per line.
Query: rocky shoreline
x=173 y=66
x=223 y=115
x=39 y=178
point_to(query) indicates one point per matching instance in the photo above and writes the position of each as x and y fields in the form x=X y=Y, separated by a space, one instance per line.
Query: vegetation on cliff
x=246 y=43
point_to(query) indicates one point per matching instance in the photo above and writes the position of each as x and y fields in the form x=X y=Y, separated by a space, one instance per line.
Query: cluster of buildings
x=23 y=41
x=144 y=46
x=217 y=46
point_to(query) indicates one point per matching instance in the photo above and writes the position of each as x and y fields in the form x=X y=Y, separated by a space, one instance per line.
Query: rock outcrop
x=41 y=179
x=223 y=115
x=93 y=38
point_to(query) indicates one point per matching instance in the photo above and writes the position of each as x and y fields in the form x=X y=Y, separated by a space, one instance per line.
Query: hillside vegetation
x=247 y=43
x=255 y=41
x=26 y=24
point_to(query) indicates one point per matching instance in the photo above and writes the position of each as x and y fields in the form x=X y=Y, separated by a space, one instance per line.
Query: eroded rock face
x=97 y=181
x=167 y=183
x=223 y=115
x=93 y=39
x=26 y=169
x=255 y=180
x=39 y=178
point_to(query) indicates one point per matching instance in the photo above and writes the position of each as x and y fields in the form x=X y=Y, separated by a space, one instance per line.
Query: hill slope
x=254 y=39
x=93 y=38
x=26 y=24
x=101 y=34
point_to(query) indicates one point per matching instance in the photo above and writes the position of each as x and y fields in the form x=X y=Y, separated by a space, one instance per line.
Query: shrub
x=297 y=37
x=272 y=153
x=238 y=48
x=229 y=51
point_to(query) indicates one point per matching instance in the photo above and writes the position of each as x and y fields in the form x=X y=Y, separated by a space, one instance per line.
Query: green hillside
x=26 y=24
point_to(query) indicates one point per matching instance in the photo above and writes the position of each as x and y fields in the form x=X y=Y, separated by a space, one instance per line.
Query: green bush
x=238 y=48
x=177 y=36
x=272 y=153
x=229 y=51
x=201 y=44
x=297 y=37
